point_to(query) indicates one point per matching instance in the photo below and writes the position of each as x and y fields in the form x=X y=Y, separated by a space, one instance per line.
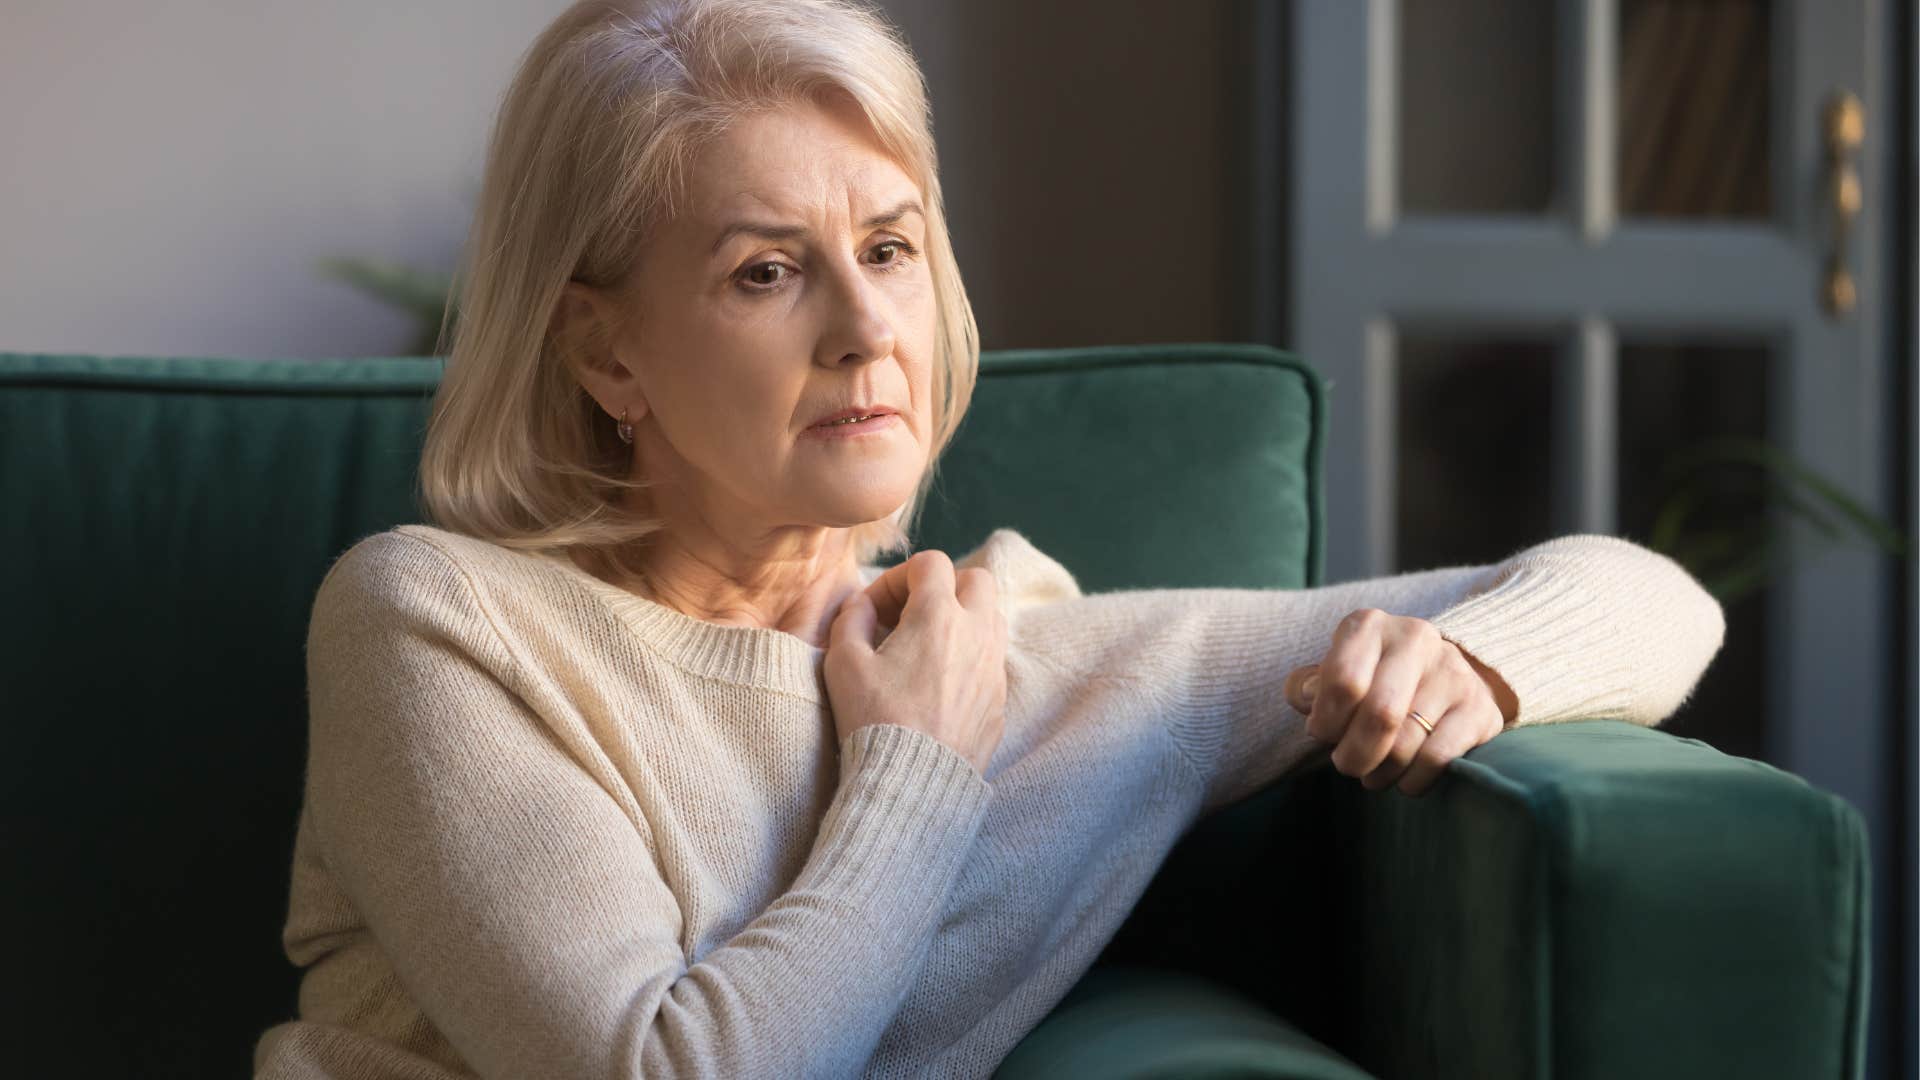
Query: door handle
x=1846 y=130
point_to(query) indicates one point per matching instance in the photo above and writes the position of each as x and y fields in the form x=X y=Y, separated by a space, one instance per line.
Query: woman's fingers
x=1360 y=697
x=976 y=590
x=1453 y=734
x=1432 y=701
x=929 y=583
x=889 y=593
x=1376 y=722
x=924 y=574
x=1300 y=688
x=853 y=626
x=1345 y=674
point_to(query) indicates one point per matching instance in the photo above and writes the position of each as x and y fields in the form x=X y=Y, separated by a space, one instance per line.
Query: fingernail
x=1311 y=686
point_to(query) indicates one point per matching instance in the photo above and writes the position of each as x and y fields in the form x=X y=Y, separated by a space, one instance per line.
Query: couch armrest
x=1600 y=899
x=1587 y=899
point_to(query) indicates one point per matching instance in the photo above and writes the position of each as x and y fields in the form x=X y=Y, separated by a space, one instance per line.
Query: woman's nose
x=860 y=328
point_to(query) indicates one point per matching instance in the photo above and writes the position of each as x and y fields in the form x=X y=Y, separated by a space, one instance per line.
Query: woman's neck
x=798 y=592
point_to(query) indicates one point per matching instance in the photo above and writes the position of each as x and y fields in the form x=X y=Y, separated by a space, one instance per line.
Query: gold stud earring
x=624 y=429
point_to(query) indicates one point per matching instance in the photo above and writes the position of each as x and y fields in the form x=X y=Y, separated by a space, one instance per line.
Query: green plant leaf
x=1669 y=522
x=1746 y=575
x=1780 y=468
x=428 y=297
x=1813 y=513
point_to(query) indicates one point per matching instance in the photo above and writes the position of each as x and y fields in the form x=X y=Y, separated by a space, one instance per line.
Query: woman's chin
x=847 y=509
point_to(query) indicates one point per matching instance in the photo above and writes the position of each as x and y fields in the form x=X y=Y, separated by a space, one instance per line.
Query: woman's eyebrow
x=788 y=232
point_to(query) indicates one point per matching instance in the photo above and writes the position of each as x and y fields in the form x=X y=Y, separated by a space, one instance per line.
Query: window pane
x=1476 y=106
x=1475 y=460
x=1693 y=108
x=1712 y=517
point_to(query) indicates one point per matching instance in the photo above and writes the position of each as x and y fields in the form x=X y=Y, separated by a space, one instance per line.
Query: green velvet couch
x=1592 y=899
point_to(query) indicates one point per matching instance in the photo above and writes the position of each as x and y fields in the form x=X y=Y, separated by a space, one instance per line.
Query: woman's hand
x=942 y=670
x=1380 y=668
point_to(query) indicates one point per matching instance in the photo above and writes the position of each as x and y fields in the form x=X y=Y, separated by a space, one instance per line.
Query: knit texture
x=553 y=829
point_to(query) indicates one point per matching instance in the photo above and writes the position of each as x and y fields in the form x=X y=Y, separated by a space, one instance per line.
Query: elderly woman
x=637 y=763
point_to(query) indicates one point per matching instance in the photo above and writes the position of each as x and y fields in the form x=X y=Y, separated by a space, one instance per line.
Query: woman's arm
x=1581 y=626
x=520 y=902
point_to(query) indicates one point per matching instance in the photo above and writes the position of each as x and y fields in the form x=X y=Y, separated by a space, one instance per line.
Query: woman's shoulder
x=1026 y=575
x=403 y=555
x=416 y=570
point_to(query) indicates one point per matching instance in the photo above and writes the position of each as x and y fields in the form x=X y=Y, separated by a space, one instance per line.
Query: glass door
x=1613 y=266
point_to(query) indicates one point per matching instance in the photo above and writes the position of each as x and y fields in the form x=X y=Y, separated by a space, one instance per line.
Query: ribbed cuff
x=1589 y=627
x=1526 y=629
x=1579 y=629
x=901 y=824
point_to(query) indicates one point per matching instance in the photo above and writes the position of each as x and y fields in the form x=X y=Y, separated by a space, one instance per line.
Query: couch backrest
x=165 y=522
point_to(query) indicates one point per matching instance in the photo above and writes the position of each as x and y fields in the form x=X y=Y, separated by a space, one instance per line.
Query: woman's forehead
x=798 y=158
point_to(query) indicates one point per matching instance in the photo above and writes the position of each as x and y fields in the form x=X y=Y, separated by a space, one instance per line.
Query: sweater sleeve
x=520 y=905
x=1581 y=626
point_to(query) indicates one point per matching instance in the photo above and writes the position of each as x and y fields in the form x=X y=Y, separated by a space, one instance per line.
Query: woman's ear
x=585 y=327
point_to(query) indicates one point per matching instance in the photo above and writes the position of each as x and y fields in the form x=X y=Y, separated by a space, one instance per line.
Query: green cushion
x=167 y=524
x=1157 y=465
x=1131 y=1023
x=168 y=520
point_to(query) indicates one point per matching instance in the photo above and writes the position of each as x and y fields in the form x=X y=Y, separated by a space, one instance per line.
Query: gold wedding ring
x=1421 y=720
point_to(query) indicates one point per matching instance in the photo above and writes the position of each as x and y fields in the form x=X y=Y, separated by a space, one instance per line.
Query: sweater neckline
x=756 y=656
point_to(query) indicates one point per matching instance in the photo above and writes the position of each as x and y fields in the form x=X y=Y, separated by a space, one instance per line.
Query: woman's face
x=794 y=285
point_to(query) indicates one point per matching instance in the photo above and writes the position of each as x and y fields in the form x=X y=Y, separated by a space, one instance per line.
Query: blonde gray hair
x=588 y=153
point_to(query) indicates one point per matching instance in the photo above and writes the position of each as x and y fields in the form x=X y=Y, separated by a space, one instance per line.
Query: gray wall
x=173 y=171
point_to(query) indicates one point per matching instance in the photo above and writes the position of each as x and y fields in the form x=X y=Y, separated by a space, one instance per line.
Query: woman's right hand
x=942 y=670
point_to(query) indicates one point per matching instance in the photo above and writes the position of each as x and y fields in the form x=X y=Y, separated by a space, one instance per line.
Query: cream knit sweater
x=552 y=829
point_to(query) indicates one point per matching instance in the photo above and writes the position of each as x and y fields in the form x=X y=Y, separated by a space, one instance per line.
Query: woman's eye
x=766 y=276
x=755 y=269
x=902 y=250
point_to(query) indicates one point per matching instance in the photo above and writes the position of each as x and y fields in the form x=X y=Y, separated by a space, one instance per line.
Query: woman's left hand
x=1379 y=669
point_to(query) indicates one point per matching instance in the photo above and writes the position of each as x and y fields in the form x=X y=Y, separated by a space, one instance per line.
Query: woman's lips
x=871 y=426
